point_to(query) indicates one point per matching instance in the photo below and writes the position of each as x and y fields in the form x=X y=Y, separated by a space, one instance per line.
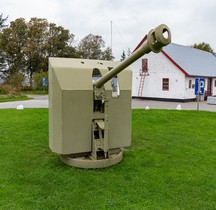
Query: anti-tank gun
x=90 y=105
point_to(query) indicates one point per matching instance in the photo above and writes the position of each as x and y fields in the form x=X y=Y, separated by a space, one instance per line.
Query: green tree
x=59 y=42
x=26 y=46
x=2 y=60
x=91 y=47
x=107 y=54
x=12 y=43
x=123 y=56
x=35 y=46
x=2 y=22
x=46 y=40
x=204 y=46
x=2 y=54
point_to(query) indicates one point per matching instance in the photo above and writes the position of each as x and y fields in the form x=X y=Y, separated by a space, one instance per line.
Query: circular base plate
x=88 y=162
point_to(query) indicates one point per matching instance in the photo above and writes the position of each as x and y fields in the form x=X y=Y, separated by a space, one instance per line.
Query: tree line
x=25 y=46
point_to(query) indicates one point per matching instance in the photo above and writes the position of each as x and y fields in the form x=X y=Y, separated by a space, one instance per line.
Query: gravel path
x=37 y=101
x=41 y=101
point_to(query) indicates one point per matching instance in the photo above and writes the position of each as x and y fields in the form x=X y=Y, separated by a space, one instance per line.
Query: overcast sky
x=190 y=21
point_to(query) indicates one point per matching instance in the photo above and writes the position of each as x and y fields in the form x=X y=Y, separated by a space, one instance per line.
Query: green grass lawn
x=170 y=165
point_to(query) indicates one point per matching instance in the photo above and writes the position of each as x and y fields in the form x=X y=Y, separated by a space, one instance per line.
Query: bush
x=8 y=89
x=13 y=83
x=27 y=88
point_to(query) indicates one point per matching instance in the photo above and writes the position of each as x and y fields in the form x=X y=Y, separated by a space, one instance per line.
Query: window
x=190 y=84
x=165 y=84
x=215 y=83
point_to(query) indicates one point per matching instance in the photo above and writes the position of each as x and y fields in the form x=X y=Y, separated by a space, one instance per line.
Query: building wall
x=160 y=67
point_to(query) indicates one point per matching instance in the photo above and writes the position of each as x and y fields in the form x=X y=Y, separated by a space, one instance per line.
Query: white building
x=170 y=74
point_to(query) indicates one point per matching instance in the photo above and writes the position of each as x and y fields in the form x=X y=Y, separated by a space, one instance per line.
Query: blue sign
x=199 y=86
x=44 y=81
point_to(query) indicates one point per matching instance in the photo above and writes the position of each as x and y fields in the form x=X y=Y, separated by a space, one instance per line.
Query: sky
x=123 y=23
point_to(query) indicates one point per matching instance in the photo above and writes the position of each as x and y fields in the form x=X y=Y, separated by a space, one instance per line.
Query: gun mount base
x=87 y=162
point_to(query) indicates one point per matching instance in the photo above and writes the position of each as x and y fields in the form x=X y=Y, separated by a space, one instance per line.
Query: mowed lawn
x=171 y=164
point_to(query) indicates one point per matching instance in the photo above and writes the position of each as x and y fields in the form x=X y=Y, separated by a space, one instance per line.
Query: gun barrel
x=156 y=39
